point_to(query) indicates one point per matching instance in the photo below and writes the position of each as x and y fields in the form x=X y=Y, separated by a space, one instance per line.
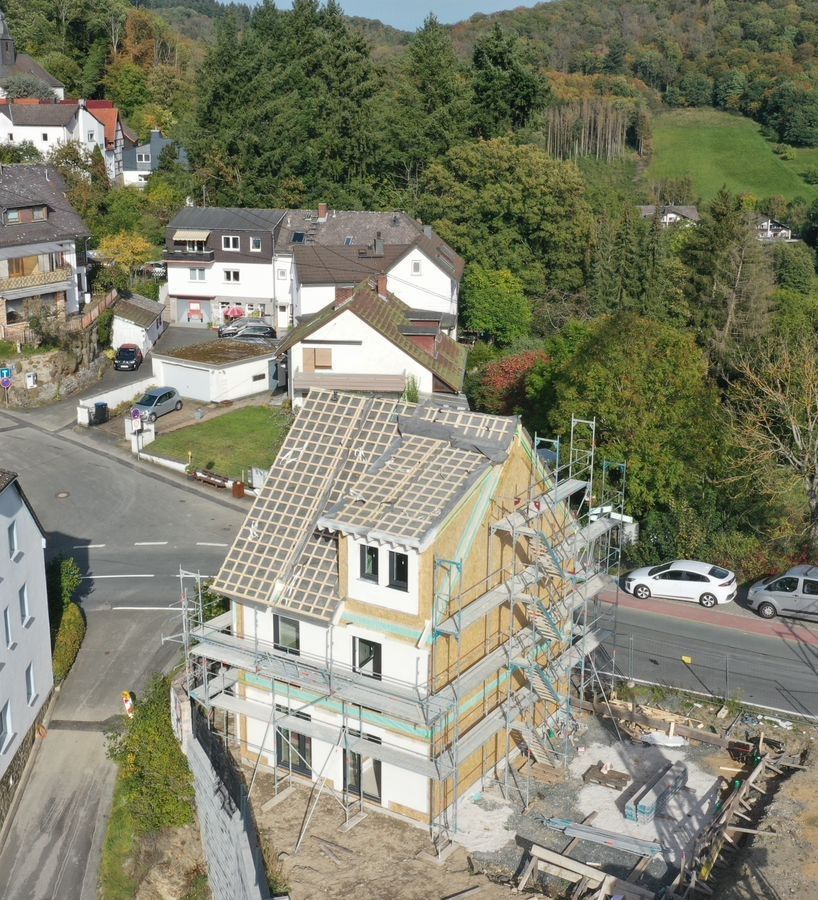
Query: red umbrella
x=234 y=312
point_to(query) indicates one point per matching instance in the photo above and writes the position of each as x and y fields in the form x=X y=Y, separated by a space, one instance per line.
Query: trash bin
x=238 y=488
x=100 y=413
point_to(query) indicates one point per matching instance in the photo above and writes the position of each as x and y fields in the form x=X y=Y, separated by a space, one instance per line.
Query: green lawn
x=231 y=443
x=717 y=148
x=116 y=882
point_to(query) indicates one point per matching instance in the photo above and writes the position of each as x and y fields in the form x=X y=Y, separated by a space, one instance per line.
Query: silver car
x=157 y=402
x=793 y=594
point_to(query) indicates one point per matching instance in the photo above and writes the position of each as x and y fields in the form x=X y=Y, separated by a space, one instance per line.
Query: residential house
x=408 y=603
x=671 y=214
x=220 y=258
x=13 y=64
x=140 y=160
x=46 y=125
x=137 y=320
x=42 y=249
x=287 y=264
x=370 y=341
x=25 y=635
x=769 y=229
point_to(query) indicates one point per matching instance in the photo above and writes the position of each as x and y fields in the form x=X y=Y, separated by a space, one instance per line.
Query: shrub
x=63 y=578
x=69 y=640
x=155 y=776
x=810 y=175
x=105 y=326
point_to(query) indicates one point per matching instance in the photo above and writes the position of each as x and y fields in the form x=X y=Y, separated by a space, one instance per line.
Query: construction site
x=413 y=675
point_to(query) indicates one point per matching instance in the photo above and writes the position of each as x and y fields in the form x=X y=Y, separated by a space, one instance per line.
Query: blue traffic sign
x=5 y=383
x=5 y=373
x=136 y=414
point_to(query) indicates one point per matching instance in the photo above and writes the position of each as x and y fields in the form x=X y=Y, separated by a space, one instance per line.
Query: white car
x=683 y=579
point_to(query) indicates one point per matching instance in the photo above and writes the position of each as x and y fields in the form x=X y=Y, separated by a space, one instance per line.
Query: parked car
x=232 y=328
x=157 y=402
x=793 y=594
x=255 y=332
x=128 y=358
x=683 y=579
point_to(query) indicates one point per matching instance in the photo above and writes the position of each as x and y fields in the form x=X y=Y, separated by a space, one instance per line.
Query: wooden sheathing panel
x=408 y=812
x=487 y=565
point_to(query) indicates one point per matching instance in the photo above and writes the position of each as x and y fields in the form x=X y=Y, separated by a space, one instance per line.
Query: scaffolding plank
x=536 y=507
x=437 y=769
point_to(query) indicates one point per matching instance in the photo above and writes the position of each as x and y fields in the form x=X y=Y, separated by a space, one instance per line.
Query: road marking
x=150 y=543
x=88 y=546
x=209 y=544
x=94 y=577
x=150 y=608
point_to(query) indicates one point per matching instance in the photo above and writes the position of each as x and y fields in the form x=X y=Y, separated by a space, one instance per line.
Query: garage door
x=191 y=383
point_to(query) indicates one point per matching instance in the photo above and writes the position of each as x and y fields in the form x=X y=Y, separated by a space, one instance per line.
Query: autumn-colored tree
x=126 y=250
x=500 y=386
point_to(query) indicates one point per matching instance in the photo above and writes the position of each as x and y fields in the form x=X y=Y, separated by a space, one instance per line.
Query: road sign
x=5 y=382
x=5 y=373
x=136 y=414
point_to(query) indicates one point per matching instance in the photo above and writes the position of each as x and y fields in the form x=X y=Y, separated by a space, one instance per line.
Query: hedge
x=69 y=641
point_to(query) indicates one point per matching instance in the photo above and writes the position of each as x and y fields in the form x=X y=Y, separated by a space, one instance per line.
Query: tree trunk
x=812 y=531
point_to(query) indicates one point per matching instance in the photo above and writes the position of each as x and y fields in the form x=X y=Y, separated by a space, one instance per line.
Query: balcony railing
x=189 y=255
x=36 y=279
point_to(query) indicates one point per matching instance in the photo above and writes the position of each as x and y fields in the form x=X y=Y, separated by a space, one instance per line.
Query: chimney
x=322 y=212
x=427 y=230
x=382 y=290
x=377 y=247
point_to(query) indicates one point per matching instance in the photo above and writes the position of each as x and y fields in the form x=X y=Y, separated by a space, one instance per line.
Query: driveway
x=129 y=529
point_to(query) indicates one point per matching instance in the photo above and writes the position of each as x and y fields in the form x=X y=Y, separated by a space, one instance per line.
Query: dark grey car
x=157 y=402
x=793 y=594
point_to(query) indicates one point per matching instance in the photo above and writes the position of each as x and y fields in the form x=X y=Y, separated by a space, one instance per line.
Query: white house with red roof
x=47 y=125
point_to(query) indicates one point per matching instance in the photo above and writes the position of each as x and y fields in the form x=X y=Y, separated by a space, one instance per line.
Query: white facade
x=356 y=348
x=25 y=643
x=123 y=331
x=422 y=284
x=83 y=127
x=213 y=383
x=262 y=288
x=401 y=661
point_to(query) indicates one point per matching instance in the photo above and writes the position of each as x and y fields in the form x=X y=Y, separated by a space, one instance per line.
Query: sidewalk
x=728 y=615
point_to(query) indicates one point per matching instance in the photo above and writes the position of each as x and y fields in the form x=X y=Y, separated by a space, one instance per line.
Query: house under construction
x=414 y=596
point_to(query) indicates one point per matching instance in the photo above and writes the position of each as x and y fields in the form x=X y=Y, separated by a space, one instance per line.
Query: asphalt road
x=737 y=654
x=130 y=528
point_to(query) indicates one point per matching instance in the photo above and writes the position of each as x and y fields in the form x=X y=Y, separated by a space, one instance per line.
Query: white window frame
x=281 y=274
x=417 y=267
x=31 y=685
x=198 y=277
x=6 y=733
x=25 y=611
x=12 y=535
x=12 y=217
x=92 y=136
x=231 y=243
x=232 y=276
x=253 y=248
x=42 y=217
x=8 y=633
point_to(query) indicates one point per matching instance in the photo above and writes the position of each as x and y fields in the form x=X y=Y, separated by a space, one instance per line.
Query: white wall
x=433 y=288
x=211 y=384
x=366 y=351
x=314 y=297
x=31 y=643
x=380 y=594
x=127 y=332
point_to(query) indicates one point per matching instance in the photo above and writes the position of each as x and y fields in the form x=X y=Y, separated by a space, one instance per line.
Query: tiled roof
x=137 y=309
x=223 y=218
x=35 y=185
x=686 y=212
x=25 y=65
x=6 y=478
x=109 y=117
x=368 y=466
x=45 y=114
x=388 y=316
x=342 y=265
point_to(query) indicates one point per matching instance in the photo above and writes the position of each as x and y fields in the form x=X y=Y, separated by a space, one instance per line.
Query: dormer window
x=12 y=216
x=40 y=213
x=348 y=240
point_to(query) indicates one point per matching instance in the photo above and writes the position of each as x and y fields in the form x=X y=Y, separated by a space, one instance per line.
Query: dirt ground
x=382 y=860
x=163 y=877
x=785 y=864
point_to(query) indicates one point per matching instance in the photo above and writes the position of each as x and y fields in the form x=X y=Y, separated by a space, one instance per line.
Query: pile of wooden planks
x=612 y=779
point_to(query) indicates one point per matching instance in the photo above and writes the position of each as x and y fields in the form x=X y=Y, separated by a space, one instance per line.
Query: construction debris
x=598 y=774
x=599 y=836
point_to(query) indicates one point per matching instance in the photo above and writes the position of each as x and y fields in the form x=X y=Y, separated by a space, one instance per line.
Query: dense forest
x=521 y=137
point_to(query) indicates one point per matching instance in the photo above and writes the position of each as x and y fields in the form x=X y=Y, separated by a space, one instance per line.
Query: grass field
x=717 y=148
x=231 y=443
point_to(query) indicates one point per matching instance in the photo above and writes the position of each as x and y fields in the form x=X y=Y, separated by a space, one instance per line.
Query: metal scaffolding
x=564 y=536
